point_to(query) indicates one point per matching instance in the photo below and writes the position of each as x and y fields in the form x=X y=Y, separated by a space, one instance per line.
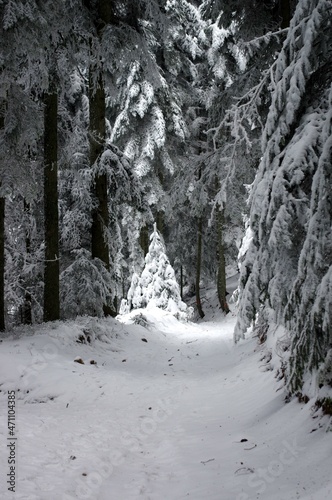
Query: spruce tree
x=157 y=284
x=51 y=211
x=286 y=275
x=101 y=12
x=2 y=240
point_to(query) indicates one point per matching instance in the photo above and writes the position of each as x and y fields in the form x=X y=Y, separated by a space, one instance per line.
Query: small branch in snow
x=244 y=470
x=251 y=447
x=267 y=35
x=191 y=341
x=206 y=461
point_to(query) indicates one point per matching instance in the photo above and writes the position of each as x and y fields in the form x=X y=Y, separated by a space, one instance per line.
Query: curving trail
x=181 y=414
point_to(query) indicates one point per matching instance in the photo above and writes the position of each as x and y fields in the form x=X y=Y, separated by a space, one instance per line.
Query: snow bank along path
x=170 y=411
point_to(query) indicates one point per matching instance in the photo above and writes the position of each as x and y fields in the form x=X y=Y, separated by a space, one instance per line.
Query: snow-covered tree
x=148 y=116
x=157 y=284
x=286 y=275
x=86 y=286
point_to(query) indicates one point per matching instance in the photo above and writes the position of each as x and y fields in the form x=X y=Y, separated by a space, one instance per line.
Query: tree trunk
x=144 y=239
x=181 y=282
x=2 y=264
x=160 y=220
x=221 y=277
x=27 y=309
x=2 y=241
x=97 y=134
x=198 y=267
x=285 y=13
x=100 y=217
x=51 y=271
x=160 y=216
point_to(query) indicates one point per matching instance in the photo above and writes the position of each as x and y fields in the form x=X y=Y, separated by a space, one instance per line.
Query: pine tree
x=241 y=49
x=157 y=284
x=19 y=132
x=221 y=274
x=2 y=237
x=220 y=141
x=286 y=275
x=101 y=13
x=28 y=79
x=51 y=213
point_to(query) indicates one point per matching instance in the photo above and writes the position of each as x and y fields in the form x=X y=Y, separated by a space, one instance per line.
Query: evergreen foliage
x=157 y=284
x=286 y=274
x=85 y=286
x=170 y=111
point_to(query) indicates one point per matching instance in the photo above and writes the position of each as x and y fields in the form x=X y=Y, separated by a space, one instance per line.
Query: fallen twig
x=245 y=470
x=206 y=461
x=251 y=447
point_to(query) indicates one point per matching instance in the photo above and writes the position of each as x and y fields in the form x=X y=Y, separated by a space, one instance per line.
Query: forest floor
x=171 y=411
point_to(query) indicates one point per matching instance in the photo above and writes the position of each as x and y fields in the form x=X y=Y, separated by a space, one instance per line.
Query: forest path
x=170 y=411
x=211 y=424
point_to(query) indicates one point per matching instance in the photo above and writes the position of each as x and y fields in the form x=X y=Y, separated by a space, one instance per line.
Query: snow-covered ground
x=170 y=411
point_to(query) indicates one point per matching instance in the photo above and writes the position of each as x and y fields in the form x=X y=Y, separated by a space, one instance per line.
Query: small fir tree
x=157 y=284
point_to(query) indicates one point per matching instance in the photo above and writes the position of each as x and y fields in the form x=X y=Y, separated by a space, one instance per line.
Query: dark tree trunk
x=51 y=271
x=160 y=220
x=2 y=241
x=2 y=264
x=144 y=239
x=285 y=13
x=181 y=282
x=221 y=277
x=160 y=216
x=27 y=309
x=97 y=134
x=199 y=258
x=198 y=267
x=100 y=218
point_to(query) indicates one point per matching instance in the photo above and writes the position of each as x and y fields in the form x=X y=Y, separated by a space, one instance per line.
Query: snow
x=172 y=410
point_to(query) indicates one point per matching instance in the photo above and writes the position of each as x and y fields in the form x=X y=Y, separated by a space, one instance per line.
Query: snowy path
x=160 y=419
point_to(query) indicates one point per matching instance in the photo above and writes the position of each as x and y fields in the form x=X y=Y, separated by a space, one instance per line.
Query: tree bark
x=51 y=270
x=160 y=215
x=198 y=267
x=285 y=13
x=97 y=134
x=27 y=308
x=100 y=216
x=221 y=277
x=160 y=220
x=2 y=264
x=144 y=239
x=181 y=282
x=2 y=241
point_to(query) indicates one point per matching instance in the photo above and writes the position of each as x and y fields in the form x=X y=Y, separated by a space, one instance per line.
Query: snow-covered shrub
x=124 y=307
x=85 y=286
x=141 y=320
